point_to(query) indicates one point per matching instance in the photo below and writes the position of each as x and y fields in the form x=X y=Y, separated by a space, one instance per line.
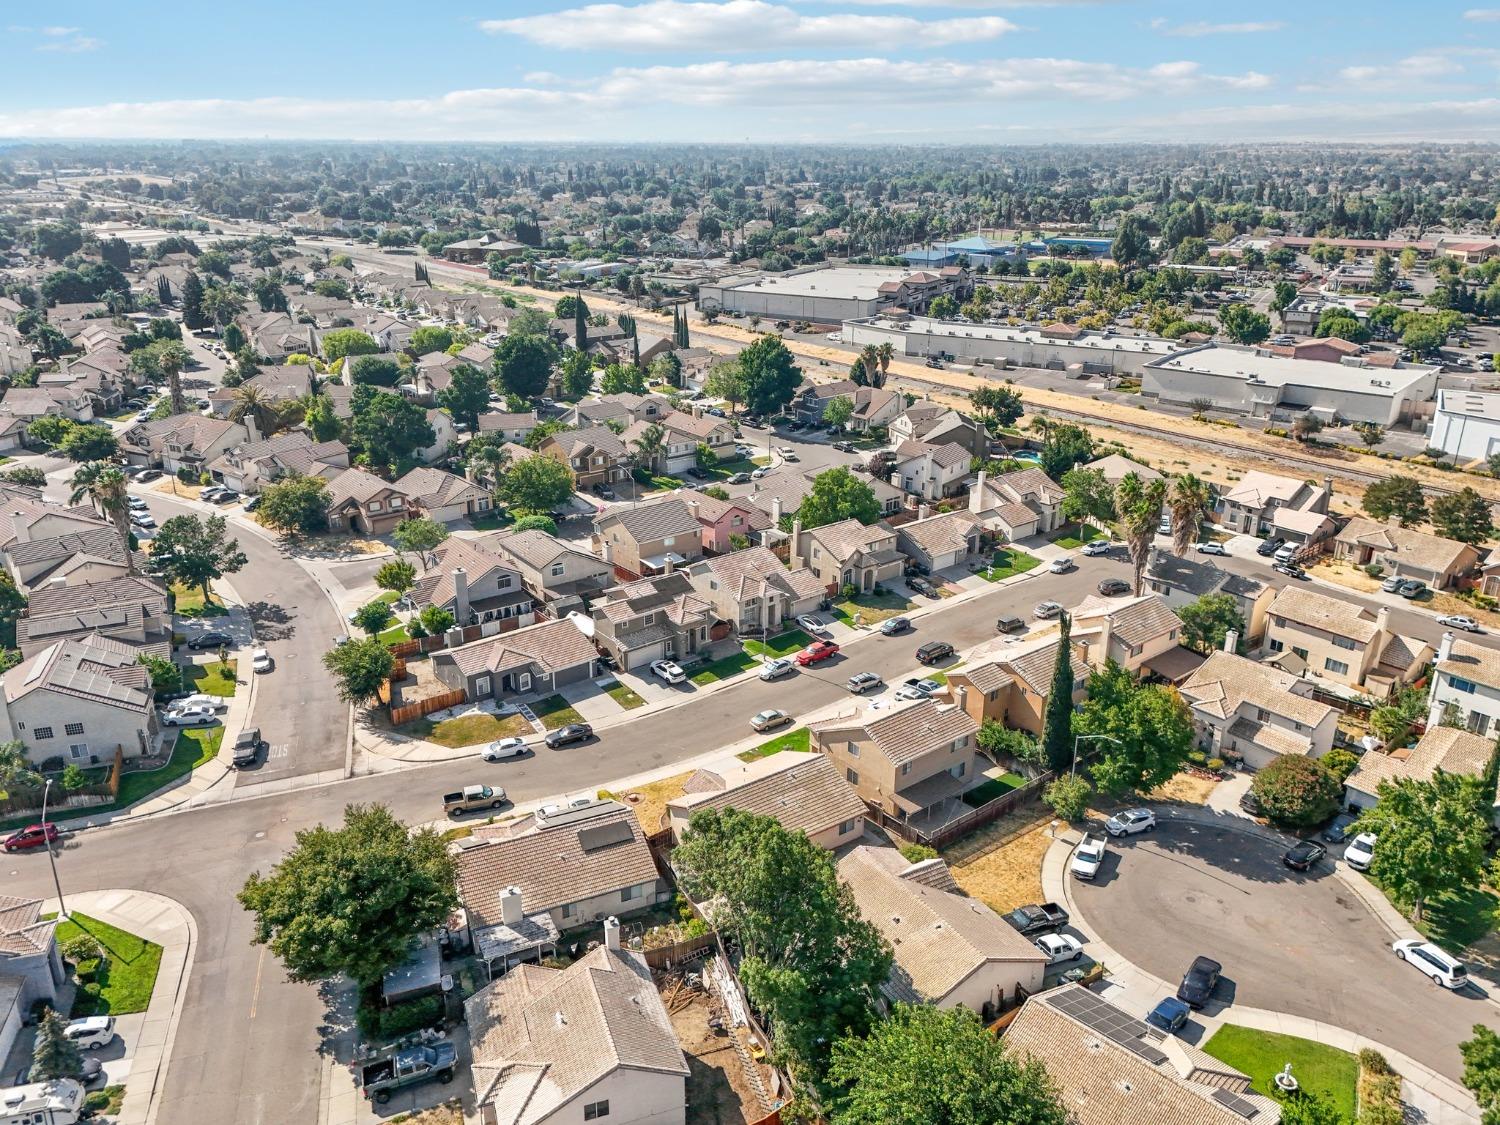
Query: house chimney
x=976 y=494
x=251 y=429
x=963 y=696
x=794 y=552
x=1445 y=650
x=693 y=507
x=612 y=933
x=510 y=906
x=1231 y=640
x=922 y=511
x=460 y=596
x=776 y=510
x=1383 y=619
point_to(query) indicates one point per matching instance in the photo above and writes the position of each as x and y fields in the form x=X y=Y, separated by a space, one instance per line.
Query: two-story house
x=908 y=762
x=1018 y=504
x=131 y=610
x=78 y=700
x=249 y=468
x=724 y=521
x=1250 y=505
x=594 y=455
x=1009 y=684
x=848 y=553
x=1182 y=581
x=359 y=501
x=1334 y=640
x=938 y=425
x=623 y=408
x=1133 y=632
x=753 y=591
x=32 y=403
x=660 y=618
x=511 y=427
x=432 y=374
x=535 y=660
x=445 y=497
x=650 y=539
x=476 y=586
x=931 y=472
x=184 y=441
x=1403 y=551
x=871 y=407
x=46 y=544
x=1466 y=676
x=1440 y=748
x=1256 y=713
x=560 y=577
x=275 y=384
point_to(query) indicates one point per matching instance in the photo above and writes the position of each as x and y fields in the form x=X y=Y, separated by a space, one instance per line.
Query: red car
x=32 y=836
x=817 y=651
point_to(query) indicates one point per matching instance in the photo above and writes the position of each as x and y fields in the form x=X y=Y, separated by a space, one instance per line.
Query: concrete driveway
x=1289 y=942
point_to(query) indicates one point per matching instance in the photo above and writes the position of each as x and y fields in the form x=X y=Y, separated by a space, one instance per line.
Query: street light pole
x=62 y=907
x=1077 y=738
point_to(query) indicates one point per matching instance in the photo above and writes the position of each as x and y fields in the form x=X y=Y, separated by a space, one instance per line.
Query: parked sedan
x=566 y=736
x=810 y=624
x=260 y=661
x=1047 y=610
x=211 y=639
x=1199 y=982
x=769 y=719
x=1338 y=830
x=503 y=748
x=1211 y=549
x=1268 y=547
x=893 y=625
x=772 y=669
x=1169 y=1015
x=817 y=652
x=1060 y=565
x=32 y=836
x=143 y=520
x=1131 y=821
x=1412 y=588
x=1459 y=621
x=739 y=478
x=1302 y=856
x=1059 y=948
x=667 y=670
x=188 y=716
x=1114 y=587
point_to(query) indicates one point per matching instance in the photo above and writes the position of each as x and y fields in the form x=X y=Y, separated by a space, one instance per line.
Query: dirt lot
x=1002 y=865
x=450 y=1114
x=717 y=1092
x=650 y=801
x=1187 y=788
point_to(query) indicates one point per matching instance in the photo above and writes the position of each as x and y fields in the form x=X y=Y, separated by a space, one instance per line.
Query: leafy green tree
x=352 y=900
x=1087 y=495
x=319 y=417
x=194 y=550
x=576 y=374
x=54 y=1055
x=1244 y=325
x=1284 y=294
x=192 y=302
x=523 y=364
x=1068 y=796
x=388 y=427
x=922 y=1065
x=1144 y=732
x=568 y=305
x=294 y=506
x=771 y=377
x=837 y=494
x=166 y=676
x=360 y=668
x=397 y=576
x=726 y=381
x=1343 y=324
x=537 y=484
x=436 y=620
x=997 y=406
x=1057 y=721
x=623 y=378
x=1463 y=515
x=839 y=411
x=1481 y=1056
x=12 y=602
x=1065 y=446
x=1432 y=836
x=420 y=536
x=467 y=396
x=1000 y=741
x=668 y=368
x=1371 y=433
x=89 y=443
x=1207 y=621
x=1297 y=791
x=49 y=429
x=1340 y=762
x=373 y=617
x=536 y=522
x=1396 y=496
x=343 y=342
x=1138 y=505
x=374 y=371
x=429 y=338
x=56 y=240
x=1132 y=245
x=1307 y=1108
x=943 y=308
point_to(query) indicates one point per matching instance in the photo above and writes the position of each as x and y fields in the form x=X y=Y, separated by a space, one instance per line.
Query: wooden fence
x=467 y=634
x=667 y=956
x=410 y=711
x=971 y=821
x=20 y=802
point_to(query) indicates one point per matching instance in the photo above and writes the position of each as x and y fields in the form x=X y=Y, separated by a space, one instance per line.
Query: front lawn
x=123 y=979
x=654 y=482
x=213 y=678
x=395 y=635
x=783 y=644
x=731 y=665
x=467 y=730
x=1458 y=920
x=189 y=602
x=799 y=739
x=726 y=469
x=492 y=520
x=555 y=711
x=991 y=788
x=1261 y=1054
x=942 y=677
x=624 y=696
x=1008 y=564
x=1088 y=533
x=872 y=608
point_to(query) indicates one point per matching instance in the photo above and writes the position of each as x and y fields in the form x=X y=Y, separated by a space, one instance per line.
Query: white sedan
x=503 y=748
x=1459 y=621
x=1129 y=822
x=810 y=624
x=188 y=717
x=771 y=669
x=1060 y=565
x=1059 y=948
x=260 y=660
x=667 y=670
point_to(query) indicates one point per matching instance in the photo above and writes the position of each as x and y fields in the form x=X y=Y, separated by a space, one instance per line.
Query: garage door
x=642 y=657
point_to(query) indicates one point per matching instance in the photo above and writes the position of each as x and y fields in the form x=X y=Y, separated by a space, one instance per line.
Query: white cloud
x=1199 y=29
x=1483 y=15
x=72 y=45
x=55 y=31
x=1426 y=69
x=736 y=25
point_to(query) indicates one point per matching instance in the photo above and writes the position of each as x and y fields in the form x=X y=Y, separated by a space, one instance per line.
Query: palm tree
x=1190 y=500
x=104 y=484
x=172 y=357
x=886 y=352
x=648 y=445
x=1139 y=507
x=869 y=359
x=253 y=403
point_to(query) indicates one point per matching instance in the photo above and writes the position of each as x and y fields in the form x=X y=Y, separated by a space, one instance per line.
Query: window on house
x=375 y=505
x=557 y=570
x=502 y=582
x=1275 y=645
x=846 y=827
x=78 y=751
x=1479 y=724
x=1337 y=667
x=1343 y=642
x=482 y=686
x=397 y=502
x=853 y=749
x=73 y=728
x=1465 y=686
x=1299 y=652
x=567 y=910
x=628 y=893
x=905 y=768
x=851 y=777
x=595 y=1110
x=42 y=732
x=1262 y=715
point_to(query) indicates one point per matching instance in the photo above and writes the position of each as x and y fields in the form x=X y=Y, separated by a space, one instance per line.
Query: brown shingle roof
x=1441 y=748
x=1319 y=611
x=1473 y=662
x=906 y=734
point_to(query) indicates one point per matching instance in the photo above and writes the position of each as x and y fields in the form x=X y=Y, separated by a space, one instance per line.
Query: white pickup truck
x=1087 y=857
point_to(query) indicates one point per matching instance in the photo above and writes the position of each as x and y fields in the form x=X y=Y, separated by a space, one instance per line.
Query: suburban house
x=183 y=441
x=873 y=407
x=78 y=700
x=131 y=610
x=1010 y=685
x=681 y=437
x=754 y=591
x=938 y=425
x=782 y=491
x=443 y=496
x=249 y=468
x=623 y=408
x=802 y=791
x=568 y=869
x=661 y=618
x=558 y=576
x=1018 y=504
x=1440 y=748
x=536 y=659
x=722 y=520
x=908 y=763
x=1331 y=639
x=1403 y=551
x=1117 y=467
x=474 y=585
x=359 y=501
x=651 y=539
x=591 y=1042
x=444 y=436
x=431 y=374
x=931 y=472
x=1252 y=711
x=508 y=426
x=276 y=384
x=1182 y=581
x=1111 y=1069
x=848 y=553
x=1137 y=633
x=32 y=403
x=30 y=963
x=1467 y=676
x=951 y=951
x=594 y=455
x=44 y=543
x=939 y=542
x=1251 y=504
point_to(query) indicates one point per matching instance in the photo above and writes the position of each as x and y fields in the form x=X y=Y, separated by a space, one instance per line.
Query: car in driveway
x=772 y=669
x=1114 y=587
x=811 y=624
x=32 y=836
x=1459 y=621
x=917 y=689
x=1095 y=547
x=1210 y=548
x=1250 y=803
x=1199 y=982
x=1169 y=1015
x=921 y=586
x=769 y=719
x=91 y=1032
x=1361 y=851
x=668 y=670
x=1392 y=584
x=933 y=651
x=1432 y=962
x=1058 y=948
x=1303 y=855
x=193 y=716
x=1037 y=918
x=568 y=735
x=247 y=747
x=503 y=748
x=861 y=682
x=1130 y=821
x=1045 y=611
x=893 y=625
x=211 y=639
x=1268 y=547
x=1338 y=830
x=817 y=652
x=1411 y=588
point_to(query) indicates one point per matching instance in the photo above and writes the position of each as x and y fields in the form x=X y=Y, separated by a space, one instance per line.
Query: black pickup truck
x=1043 y=919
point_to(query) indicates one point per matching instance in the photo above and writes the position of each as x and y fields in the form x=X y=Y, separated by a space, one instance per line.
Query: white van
x=1433 y=962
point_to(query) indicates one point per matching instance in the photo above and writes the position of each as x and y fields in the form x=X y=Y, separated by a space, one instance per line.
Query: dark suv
x=933 y=651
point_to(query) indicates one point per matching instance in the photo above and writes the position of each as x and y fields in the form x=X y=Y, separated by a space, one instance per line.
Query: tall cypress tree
x=580 y=326
x=192 y=302
x=1057 y=728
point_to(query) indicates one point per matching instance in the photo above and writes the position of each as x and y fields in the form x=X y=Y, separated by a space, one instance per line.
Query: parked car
x=260 y=661
x=1250 y=803
x=1268 y=547
x=1095 y=547
x=1088 y=856
x=148 y=475
x=1114 y=587
x=808 y=623
x=247 y=746
x=1303 y=855
x=769 y=719
x=1338 y=830
x=917 y=689
x=1169 y=1015
x=1433 y=962
x=1199 y=982
x=739 y=478
x=32 y=836
x=921 y=586
x=91 y=1032
x=1290 y=569
x=1360 y=851
x=758 y=474
x=861 y=682
x=1285 y=554
x=1037 y=918
x=1392 y=584
x=136 y=504
x=566 y=736
x=1060 y=565
x=188 y=716
x=817 y=652
x=1047 y=610
x=772 y=669
x=1210 y=548
x=1459 y=621
x=1059 y=948
x=668 y=670
x=1010 y=624
x=893 y=625
x=1131 y=821
x=143 y=520
x=213 y=638
x=503 y=748
x=408 y=1066
x=199 y=699
x=933 y=651
x=1412 y=588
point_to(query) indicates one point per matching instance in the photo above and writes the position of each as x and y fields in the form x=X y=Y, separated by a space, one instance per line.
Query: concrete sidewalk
x=169 y=925
x=1438 y=1099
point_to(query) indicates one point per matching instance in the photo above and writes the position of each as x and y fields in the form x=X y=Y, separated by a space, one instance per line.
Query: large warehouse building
x=1256 y=382
x=1466 y=425
x=833 y=294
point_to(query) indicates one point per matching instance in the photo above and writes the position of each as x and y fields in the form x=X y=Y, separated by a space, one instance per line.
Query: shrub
x=1299 y=792
x=1068 y=797
x=382 y=1023
x=849 y=590
x=73 y=778
x=81 y=948
x=1374 y=570
x=1341 y=763
x=1215 y=764
x=916 y=853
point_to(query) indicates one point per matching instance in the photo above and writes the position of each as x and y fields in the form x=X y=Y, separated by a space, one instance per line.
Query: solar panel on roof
x=1103 y=1017
x=1230 y=1100
x=604 y=835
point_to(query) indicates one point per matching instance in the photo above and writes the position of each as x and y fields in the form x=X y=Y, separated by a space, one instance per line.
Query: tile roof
x=948 y=455
x=672 y=594
x=906 y=734
x=588 y=440
x=93 y=667
x=712 y=509
x=804 y=792
x=479 y=562
x=652 y=521
x=434 y=488
x=357 y=485
x=1133 y=620
x=749 y=572
x=552 y=645
x=1441 y=748
x=1115 y=467
x=1030 y=484
x=502 y=421
x=1197 y=577
x=23 y=930
x=942 y=534
x=1256 y=489
x=536 y=548
x=940 y=938
x=1405 y=545
x=844 y=539
x=126 y=590
x=1470 y=661
x=1319 y=611
x=1226 y=681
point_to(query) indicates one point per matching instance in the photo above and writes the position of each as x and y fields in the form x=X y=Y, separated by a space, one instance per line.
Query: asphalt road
x=1288 y=942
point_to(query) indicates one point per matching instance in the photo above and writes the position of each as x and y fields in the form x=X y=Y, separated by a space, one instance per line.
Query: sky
x=783 y=71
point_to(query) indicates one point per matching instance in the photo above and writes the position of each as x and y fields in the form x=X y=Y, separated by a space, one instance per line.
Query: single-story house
x=536 y=659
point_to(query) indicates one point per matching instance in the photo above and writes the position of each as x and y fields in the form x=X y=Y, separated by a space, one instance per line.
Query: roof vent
x=561 y=1020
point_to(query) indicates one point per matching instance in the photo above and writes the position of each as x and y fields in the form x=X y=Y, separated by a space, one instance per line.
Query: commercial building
x=1466 y=425
x=832 y=294
x=1256 y=382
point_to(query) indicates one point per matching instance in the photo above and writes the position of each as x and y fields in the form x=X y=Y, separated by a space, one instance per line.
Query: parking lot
x=1302 y=944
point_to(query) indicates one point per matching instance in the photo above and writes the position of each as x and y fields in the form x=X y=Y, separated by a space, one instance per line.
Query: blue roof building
x=933 y=257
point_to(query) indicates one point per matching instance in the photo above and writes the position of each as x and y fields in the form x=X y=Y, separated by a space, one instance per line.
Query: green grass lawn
x=783 y=644
x=555 y=711
x=1007 y=564
x=125 y=977
x=1458 y=920
x=655 y=482
x=994 y=787
x=624 y=696
x=872 y=608
x=493 y=520
x=387 y=596
x=731 y=665
x=1086 y=535
x=189 y=602
x=799 y=739
x=467 y=730
x=395 y=635
x=942 y=676
x=726 y=469
x=214 y=678
x=1262 y=1054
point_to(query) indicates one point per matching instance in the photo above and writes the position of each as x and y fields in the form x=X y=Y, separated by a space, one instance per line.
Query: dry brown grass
x=449 y=1113
x=1184 y=787
x=1435 y=601
x=1002 y=864
x=171 y=486
x=650 y=801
